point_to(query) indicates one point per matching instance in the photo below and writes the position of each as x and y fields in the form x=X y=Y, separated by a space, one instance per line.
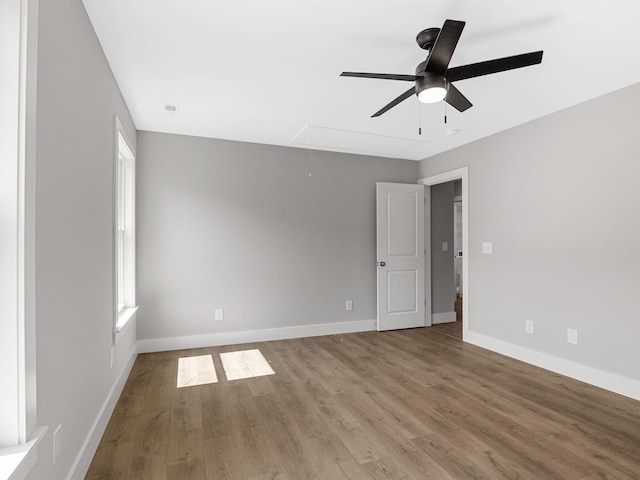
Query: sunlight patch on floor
x=245 y=364
x=196 y=371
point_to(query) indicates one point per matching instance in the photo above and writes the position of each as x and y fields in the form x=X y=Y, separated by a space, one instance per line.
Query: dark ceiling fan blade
x=493 y=66
x=443 y=48
x=395 y=102
x=384 y=76
x=456 y=99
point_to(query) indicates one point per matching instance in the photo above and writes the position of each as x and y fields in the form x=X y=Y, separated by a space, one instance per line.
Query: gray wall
x=76 y=103
x=243 y=227
x=564 y=259
x=443 y=288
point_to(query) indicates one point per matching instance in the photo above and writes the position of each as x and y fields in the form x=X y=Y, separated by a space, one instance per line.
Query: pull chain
x=309 y=148
x=445 y=101
x=419 y=118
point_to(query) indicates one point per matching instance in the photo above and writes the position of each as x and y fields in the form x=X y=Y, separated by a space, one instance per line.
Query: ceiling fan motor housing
x=430 y=81
x=426 y=38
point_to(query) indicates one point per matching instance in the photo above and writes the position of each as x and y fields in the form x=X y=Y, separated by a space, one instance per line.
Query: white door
x=400 y=249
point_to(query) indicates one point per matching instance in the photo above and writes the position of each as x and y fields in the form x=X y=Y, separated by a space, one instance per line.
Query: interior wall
x=560 y=257
x=77 y=101
x=243 y=227
x=443 y=288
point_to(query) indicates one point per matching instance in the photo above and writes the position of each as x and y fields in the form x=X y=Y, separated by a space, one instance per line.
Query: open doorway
x=447 y=277
x=445 y=250
x=457 y=248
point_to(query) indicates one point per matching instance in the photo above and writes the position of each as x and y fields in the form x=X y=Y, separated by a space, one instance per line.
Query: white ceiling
x=268 y=71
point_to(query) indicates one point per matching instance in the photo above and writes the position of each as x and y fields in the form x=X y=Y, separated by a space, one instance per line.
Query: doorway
x=457 y=249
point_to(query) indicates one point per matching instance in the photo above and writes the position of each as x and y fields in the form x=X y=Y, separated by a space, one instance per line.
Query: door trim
x=457 y=174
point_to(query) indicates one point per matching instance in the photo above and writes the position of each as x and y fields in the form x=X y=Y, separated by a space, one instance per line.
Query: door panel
x=401 y=291
x=401 y=229
x=400 y=248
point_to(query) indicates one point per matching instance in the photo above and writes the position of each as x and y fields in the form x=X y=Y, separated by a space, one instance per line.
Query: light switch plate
x=487 y=248
x=445 y=246
x=528 y=326
x=572 y=336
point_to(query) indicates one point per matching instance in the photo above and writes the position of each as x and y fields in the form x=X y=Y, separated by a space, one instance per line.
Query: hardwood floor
x=453 y=329
x=409 y=404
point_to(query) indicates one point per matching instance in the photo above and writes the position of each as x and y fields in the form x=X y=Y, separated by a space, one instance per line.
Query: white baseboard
x=250 y=336
x=87 y=451
x=444 y=317
x=593 y=376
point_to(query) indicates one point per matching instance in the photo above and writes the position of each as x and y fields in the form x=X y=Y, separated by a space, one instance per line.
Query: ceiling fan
x=433 y=78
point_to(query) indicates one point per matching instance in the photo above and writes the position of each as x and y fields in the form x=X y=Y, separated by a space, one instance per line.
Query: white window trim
x=12 y=424
x=124 y=233
x=16 y=462
x=18 y=78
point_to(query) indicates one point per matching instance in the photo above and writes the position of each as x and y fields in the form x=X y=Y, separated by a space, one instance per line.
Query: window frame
x=12 y=223
x=124 y=243
x=18 y=77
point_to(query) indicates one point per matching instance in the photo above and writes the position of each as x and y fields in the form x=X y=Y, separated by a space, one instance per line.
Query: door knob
x=382 y=264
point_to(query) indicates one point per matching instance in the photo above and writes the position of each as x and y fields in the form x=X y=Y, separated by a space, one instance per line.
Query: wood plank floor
x=411 y=404
x=453 y=329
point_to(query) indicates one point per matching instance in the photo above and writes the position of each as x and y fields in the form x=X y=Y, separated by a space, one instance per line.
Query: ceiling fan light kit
x=433 y=78
x=431 y=89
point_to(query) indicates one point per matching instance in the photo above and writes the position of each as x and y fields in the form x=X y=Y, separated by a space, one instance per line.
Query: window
x=125 y=292
x=18 y=431
x=11 y=228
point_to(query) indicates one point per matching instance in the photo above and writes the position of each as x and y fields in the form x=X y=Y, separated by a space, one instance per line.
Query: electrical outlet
x=57 y=443
x=111 y=358
x=487 y=248
x=349 y=305
x=572 y=336
x=528 y=326
x=219 y=314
